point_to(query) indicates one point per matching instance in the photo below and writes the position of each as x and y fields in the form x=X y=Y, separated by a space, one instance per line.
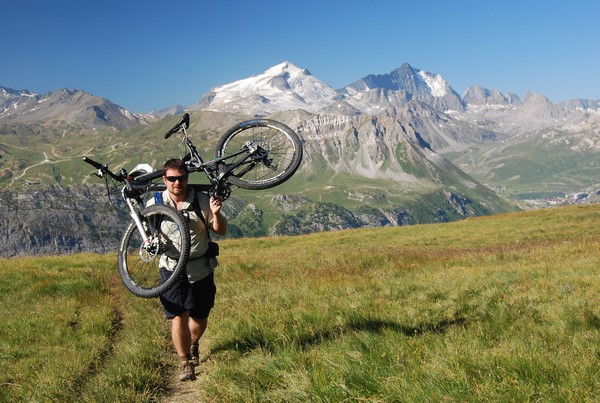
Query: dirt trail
x=183 y=392
x=186 y=391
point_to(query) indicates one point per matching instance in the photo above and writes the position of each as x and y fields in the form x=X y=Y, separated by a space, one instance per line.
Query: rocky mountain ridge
x=72 y=106
x=286 y=87
x=449 y=122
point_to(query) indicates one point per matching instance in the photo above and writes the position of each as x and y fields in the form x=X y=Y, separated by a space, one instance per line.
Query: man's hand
x=215 y=205
x=219 y=223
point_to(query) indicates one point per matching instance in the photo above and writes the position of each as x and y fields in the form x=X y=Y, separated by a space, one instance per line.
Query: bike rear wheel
x=168 y=244
x=273 y=152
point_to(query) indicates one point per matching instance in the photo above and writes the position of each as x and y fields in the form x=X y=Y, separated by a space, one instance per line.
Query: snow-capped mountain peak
x=405 y=78
x=376 y=92
x=282 y=87
x=286 y=68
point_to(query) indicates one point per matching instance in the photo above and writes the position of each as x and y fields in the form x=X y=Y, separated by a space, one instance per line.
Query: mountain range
x=488 y=134
x=388 y=149
x=449 y=121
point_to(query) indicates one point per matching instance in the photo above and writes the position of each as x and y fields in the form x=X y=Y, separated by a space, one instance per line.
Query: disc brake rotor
x=149 y=250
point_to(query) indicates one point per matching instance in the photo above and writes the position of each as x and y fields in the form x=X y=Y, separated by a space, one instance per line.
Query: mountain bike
x=255 y=154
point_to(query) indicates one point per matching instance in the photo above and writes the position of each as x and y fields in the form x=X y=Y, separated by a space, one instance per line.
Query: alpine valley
x=388 y=149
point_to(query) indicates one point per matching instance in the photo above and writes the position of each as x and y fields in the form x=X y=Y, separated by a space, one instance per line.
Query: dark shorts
x=198 y=298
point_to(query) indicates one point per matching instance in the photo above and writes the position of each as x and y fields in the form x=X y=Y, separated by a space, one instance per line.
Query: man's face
x=176 y=181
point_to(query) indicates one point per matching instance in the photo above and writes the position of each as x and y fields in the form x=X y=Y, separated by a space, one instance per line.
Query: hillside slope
x=497 y=308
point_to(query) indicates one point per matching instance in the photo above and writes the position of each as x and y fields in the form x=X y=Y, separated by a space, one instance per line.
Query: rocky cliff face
x=55 y=219
x=378 y=147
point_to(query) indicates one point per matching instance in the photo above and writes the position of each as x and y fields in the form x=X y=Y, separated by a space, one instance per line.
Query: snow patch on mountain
x=435 y=82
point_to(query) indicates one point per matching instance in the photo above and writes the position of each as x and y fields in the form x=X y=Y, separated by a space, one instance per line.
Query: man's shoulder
x=159 y=197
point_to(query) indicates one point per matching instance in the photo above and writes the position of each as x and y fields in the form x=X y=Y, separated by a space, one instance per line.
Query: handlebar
x=182 y=125
x=103 y=169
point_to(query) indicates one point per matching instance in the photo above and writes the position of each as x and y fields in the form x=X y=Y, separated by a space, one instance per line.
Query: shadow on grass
x=273 y=343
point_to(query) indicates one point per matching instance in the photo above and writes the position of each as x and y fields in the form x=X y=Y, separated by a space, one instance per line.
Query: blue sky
x=146 y=55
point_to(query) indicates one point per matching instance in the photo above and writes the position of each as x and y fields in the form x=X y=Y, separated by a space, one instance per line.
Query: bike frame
x=134 y=187
x=195 y=163
x=251 y=154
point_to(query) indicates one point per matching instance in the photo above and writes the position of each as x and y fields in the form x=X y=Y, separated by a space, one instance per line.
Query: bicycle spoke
x=271 y=140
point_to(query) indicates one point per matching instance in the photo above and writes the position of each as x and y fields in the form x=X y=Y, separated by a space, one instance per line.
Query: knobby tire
x=139 y=262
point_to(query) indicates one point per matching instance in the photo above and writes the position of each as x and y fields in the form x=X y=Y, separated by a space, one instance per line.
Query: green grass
x=497 y=308
x=528 y=165
x=51 y=152
x=70 y=333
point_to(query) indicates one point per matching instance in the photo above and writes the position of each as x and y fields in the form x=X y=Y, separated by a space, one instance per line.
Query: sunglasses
x=179 y=178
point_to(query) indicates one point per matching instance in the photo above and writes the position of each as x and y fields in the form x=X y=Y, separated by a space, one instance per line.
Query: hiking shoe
x=195 y=354
x=187 y=371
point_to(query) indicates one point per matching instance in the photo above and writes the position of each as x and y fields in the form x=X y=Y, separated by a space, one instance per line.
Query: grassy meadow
x=499 y=308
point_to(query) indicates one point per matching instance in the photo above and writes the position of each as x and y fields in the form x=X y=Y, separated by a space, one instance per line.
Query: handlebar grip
x=104 y=169
x=93 y=163
x=185 y=121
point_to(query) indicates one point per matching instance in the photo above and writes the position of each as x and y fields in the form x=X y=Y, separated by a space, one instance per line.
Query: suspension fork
x=133 y=212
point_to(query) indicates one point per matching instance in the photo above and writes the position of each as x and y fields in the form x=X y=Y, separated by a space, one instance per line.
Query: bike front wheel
x=259 y=154
x=167 y=245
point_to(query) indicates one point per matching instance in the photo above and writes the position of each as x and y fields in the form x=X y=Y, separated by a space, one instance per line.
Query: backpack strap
x=200 y=213
x=158 y=197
